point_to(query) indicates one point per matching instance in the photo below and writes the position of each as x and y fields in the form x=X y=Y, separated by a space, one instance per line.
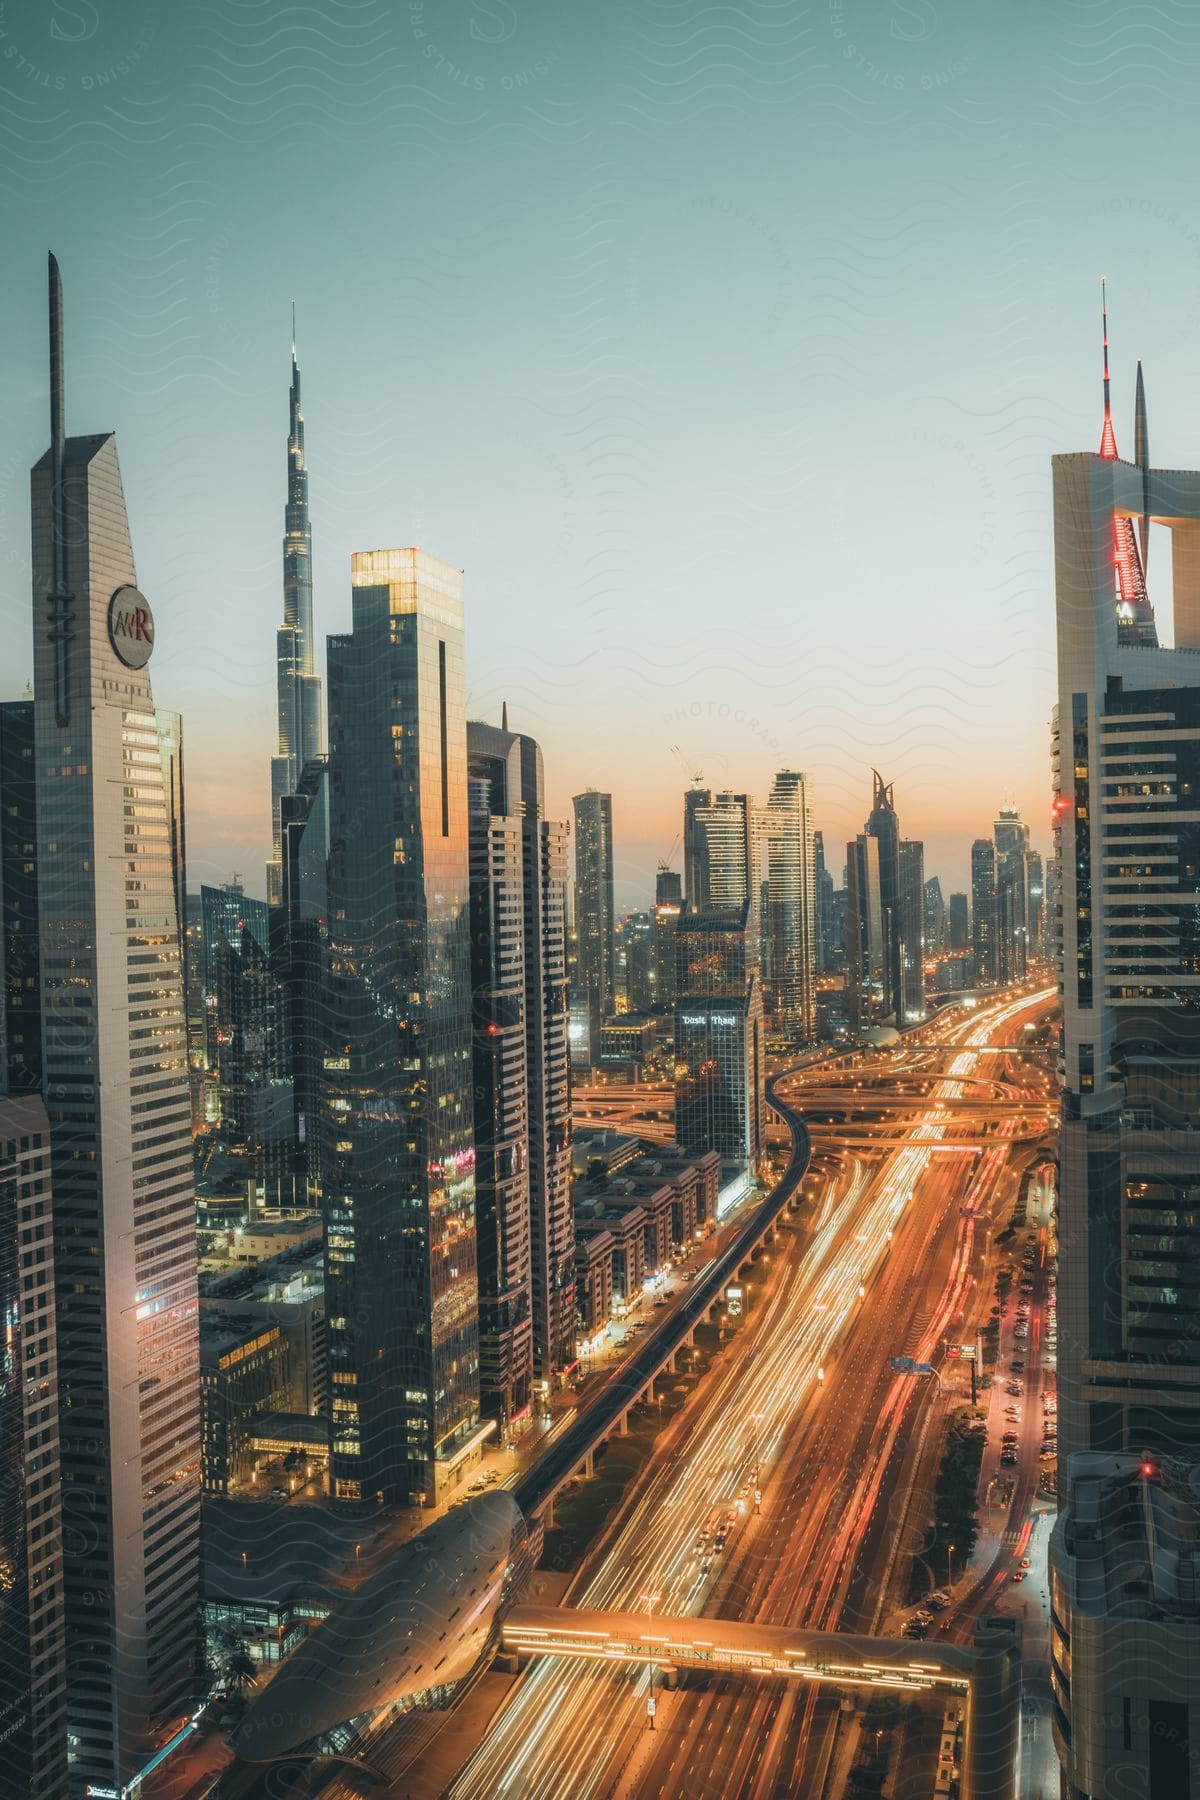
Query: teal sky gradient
x=724 y=347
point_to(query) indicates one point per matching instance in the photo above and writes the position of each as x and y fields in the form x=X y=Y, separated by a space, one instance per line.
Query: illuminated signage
x=708 y=1019
x=131 y=627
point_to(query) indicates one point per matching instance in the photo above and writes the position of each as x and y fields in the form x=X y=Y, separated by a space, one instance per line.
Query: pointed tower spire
x=1108 y=437
x=1141 y=456
x=504 y=715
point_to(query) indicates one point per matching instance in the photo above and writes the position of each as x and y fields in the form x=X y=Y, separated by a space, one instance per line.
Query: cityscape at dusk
x=599 y=901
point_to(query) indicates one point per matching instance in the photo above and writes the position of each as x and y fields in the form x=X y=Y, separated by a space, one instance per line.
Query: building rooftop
x=1133 y=1536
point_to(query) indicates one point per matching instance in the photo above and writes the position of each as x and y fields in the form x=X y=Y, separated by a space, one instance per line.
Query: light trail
x=556 y=1735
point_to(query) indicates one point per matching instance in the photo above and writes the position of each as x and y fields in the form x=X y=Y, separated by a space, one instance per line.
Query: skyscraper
x=935 y=917
x=1010 y=834
x=399 y=1166
x=983 y=910
x=695 y=847
x=508 y=766
x=20 y=977
x=724 y=827
x=912 y=929
x=595 y=975
x=719 y=1037
x=33 y=1722
x=298 y=686
x=297 y=936
x=1124 y=1608
x=115 y=1064
x=884 y=827
x=791 y=912
x=502 y=1211
x=823 y=892
x=958 y=922
x=864 y=932
x=668 y=904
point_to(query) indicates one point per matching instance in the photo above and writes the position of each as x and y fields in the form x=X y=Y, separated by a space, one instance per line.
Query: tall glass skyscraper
x=116 y=1081
x=719 y=1068
x=298 y=686
x=884 y=827
x=595 y=974
x=983 y=909
x=791 y=922
x=401 y=1286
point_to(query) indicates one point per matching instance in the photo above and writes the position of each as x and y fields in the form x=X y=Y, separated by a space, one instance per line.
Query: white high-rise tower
x=116 y=1089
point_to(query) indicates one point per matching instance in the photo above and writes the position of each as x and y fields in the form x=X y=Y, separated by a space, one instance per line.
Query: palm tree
x=240 y=1670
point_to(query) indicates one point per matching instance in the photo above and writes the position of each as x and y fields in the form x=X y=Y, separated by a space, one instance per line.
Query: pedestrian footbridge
x=986 y=1677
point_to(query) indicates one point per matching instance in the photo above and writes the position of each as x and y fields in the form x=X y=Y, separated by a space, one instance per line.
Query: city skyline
x=594 y=492
x=600 y=934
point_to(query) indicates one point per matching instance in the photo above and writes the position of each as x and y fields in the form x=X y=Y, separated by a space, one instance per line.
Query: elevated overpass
x=608 y=1412
x=986 y=1678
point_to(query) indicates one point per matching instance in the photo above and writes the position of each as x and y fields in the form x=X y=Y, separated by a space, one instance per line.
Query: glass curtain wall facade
x=912 y=928
x=790 y=906
x=983 y=910
x=595 y=976
x=401 y=1284
x=719 y=1068
x=884 y=827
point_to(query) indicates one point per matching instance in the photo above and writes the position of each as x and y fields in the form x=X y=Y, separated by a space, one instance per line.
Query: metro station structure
x=412 y=1634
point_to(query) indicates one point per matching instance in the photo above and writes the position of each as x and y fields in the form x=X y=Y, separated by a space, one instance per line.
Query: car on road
x=1018 y=1575
x=1026 y=1562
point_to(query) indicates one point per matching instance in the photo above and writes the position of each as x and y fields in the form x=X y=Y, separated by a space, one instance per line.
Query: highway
x=885 y=1263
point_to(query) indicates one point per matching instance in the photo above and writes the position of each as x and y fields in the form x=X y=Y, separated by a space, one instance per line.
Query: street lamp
x=949 y=1565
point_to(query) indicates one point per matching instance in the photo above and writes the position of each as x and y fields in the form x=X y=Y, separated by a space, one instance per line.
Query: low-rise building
x=243 y=1374
x=288 y=1291
x=593 y=1283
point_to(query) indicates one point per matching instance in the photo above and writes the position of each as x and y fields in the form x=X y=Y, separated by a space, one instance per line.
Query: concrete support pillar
x=650 y=1395
x=589 y=1464
x=671 y=1362
x=623 y=1425
x=548 y=1514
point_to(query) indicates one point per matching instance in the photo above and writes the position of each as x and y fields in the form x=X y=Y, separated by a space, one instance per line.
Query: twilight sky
x=723 y=346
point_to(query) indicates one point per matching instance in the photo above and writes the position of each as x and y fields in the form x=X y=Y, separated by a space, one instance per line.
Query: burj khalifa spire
x=299 y=686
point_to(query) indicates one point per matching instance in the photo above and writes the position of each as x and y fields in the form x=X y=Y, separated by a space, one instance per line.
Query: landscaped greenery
x=955 y=1496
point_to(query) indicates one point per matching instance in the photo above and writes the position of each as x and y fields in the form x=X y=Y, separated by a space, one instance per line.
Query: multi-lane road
x=892 y=1258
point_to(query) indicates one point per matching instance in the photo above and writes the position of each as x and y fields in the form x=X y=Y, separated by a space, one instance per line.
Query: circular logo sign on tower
x=131 y=627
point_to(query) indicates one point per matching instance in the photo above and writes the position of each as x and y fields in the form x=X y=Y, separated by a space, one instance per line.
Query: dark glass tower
x=718 y=1037
x=983 y=909
x=298 y=687
x=595 y=979
x=401 y=1286
x=912 y=929
x=884 y=827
